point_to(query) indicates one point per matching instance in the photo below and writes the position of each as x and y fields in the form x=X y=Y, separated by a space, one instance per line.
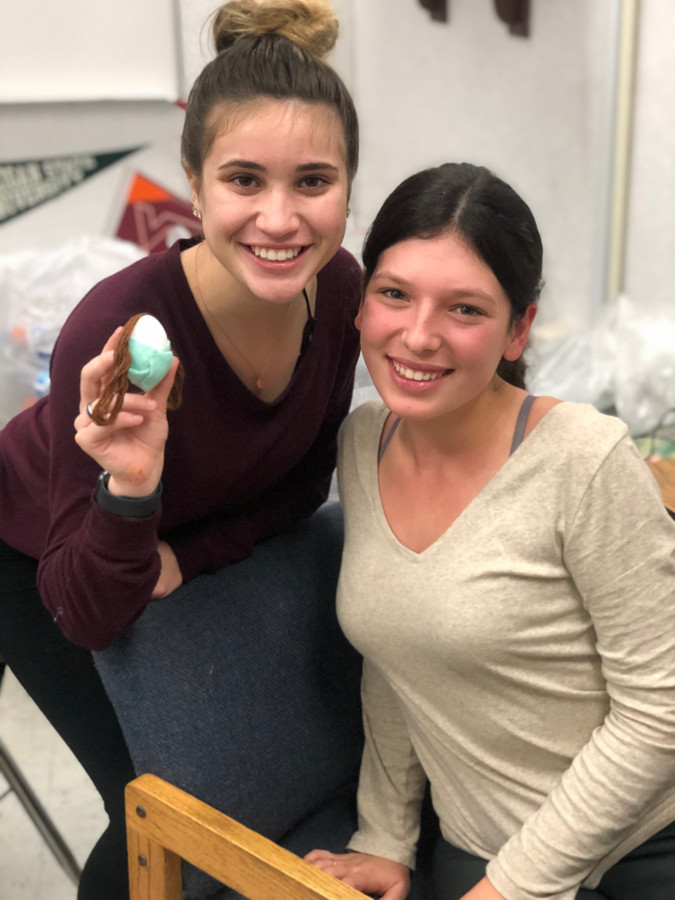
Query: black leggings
x=63 y=682
x=646 y=873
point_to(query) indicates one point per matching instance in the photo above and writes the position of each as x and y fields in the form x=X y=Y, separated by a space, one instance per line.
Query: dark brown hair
x=272 y=49
x=485 y=212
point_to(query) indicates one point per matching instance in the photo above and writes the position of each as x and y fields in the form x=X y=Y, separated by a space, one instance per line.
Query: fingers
x=100 y=441
x=370 y=874
x=160 y=393
x=326 y=861
x=92 y=376
x=322 y=859
x=330 y=866
x=340 y=865
x=170 y=576
x=396 y=892
x=134 y=409
x=97 y=370
x=316 y=856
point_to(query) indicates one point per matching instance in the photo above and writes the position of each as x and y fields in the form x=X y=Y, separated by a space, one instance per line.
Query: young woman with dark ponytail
x=507 y=575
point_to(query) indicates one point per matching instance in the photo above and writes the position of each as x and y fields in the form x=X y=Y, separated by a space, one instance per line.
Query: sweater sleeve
x=392 y=781
x=98 y=571
x=620 y=553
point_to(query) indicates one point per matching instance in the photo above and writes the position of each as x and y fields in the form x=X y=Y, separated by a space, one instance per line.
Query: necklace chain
x=259 y=380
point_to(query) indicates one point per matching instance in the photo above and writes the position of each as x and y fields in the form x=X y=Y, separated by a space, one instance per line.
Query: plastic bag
x=644 y=370
x=38 y=290
x=624 y=363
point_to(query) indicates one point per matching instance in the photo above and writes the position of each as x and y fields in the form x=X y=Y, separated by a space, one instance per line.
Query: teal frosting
x=148 y=365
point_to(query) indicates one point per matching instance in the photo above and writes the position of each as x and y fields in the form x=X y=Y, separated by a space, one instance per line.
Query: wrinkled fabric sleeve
x=98 y=570
x=392 y=781
x=620 y=552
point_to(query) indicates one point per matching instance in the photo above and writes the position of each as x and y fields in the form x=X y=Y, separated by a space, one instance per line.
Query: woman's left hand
x=369 y=874
x=484 y=890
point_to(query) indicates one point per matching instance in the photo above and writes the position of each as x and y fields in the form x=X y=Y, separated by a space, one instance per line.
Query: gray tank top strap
x=385 y=442
x=518 y=434
x=521 y=423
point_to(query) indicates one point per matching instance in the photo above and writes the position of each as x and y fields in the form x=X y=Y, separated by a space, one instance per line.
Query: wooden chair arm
x=664 y=472
x=165 y=825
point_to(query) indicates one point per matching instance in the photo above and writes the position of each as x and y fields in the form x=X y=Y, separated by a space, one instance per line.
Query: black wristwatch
x=129 y=507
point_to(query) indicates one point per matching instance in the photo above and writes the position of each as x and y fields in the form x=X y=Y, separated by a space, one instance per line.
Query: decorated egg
x=151 y=354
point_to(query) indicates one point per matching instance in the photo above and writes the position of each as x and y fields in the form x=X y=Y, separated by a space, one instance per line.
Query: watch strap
x=129 y=507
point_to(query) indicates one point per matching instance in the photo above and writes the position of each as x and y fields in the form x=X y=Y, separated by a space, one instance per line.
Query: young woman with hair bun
x=186 y=548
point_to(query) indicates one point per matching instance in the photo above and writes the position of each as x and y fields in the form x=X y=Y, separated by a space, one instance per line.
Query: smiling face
x=435 y=323
x=273 y=195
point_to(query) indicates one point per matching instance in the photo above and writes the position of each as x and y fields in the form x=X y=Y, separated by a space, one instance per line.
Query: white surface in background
x=28 y=871
x=88 y=51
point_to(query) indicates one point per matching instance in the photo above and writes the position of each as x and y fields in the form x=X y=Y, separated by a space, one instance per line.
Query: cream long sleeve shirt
x=524 y=662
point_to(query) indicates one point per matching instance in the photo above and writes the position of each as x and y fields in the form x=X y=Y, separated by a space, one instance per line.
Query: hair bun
x=309 y=24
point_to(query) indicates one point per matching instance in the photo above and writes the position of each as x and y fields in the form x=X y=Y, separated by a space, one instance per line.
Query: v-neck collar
x=513 y=460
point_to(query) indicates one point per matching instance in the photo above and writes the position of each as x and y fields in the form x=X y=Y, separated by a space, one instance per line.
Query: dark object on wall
x=516 y=14
x=438 y=9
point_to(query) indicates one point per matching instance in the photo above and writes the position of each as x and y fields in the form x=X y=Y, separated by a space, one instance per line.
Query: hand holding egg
x=143 y=357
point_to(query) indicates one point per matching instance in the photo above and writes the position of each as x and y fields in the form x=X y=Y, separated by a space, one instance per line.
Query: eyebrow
x=457 y=293
x=242 y=164
x=313 y=166
x=257 y=167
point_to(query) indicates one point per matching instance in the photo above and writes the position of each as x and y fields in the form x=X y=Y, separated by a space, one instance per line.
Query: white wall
x=650 y=272
x=536 y=110
x=108 y=42
x=531 y=109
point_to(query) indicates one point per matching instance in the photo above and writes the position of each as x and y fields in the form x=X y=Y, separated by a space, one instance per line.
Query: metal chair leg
x=39 y=815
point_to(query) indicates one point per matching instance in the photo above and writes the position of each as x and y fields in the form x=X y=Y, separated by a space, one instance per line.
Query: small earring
x=196 y=213
x=348 y=211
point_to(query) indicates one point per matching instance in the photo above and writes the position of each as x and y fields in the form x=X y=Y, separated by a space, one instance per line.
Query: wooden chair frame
x=166 y=825
x=664 y=472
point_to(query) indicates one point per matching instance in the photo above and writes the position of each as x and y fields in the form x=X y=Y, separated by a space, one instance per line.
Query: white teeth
x=276 y=255
x=414 y=375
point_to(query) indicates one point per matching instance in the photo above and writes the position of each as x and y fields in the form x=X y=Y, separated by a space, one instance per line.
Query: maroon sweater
x=237 y=469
